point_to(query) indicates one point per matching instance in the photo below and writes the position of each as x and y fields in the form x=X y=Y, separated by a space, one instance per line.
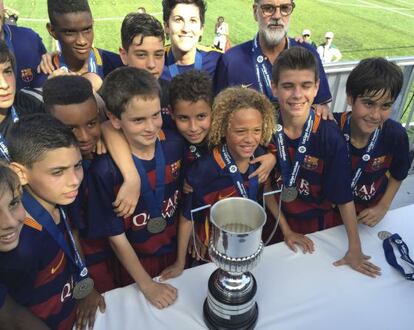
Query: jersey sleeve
x=110 y=61
x=337 y=172
x=400 y=164
x=102 y=220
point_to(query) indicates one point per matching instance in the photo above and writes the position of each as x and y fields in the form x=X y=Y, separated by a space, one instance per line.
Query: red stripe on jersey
x=156 y=242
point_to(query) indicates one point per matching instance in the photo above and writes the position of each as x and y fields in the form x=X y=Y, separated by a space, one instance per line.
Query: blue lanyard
x=404 y=254
x=263 y=76
x=173 y=67
x=92 y=64
x=4 y=150
x=290 y=174
x=39 y=213
x=368 y=151
x=235 y=175
x=154 y=203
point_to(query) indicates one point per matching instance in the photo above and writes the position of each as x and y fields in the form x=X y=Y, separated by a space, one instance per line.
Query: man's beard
x=273 y=37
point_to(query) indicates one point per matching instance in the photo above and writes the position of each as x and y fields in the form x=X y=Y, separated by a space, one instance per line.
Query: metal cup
x=236 y=248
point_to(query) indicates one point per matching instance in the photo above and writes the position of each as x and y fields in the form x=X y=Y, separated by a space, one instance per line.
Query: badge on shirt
x=378 y=163
x=310 y=163
x=27 y=75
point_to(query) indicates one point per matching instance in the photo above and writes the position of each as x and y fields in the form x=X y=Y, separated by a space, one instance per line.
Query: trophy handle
x=278 y=214
x=198 y=209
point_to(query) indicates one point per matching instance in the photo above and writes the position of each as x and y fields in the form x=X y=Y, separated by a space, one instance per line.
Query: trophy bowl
x=236 y=248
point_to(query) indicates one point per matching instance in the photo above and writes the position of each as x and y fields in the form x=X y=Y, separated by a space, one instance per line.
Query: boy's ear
x=274 y=89
x=317 y=87
x=116 y=122
x=21 y=172
x=350 y=100
x=123 y=54
x=51 y=30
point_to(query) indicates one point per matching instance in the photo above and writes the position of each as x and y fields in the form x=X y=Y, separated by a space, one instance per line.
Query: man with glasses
x=250 y=64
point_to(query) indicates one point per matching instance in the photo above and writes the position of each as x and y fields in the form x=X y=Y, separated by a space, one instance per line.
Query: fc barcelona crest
x=175 y=169
x=378 y=163
x=310 y=163
x=27 y=75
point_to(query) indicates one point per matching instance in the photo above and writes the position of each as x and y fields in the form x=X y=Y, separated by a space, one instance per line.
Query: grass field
x=362 y=27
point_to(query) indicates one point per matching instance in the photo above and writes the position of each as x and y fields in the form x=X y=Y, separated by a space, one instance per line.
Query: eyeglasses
x=285 y=9
x=306 y=35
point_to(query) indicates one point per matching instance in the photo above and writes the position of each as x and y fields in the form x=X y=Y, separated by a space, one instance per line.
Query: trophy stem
x=230 y=303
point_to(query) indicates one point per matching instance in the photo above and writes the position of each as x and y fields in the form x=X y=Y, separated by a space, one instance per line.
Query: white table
x=295 y=291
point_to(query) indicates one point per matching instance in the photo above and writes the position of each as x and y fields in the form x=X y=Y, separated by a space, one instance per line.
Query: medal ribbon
x=38 y=212
x=4 y=150
x=92 y=63
x=153 y=201
x=173 y=68
x=404 y=255
x=232 y=168
x=289 y=175
x=368 y=151
x=263 y=76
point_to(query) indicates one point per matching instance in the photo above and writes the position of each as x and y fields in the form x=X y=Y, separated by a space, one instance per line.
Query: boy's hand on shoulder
x=323 y=111
x=359 y=262
x=292 y=239
x=127 y=198
x=46 y=66
x=86 y=310
x=371 y=216
x=160 y=295
x=100 y=148
x=267 y=163
x=172 y=271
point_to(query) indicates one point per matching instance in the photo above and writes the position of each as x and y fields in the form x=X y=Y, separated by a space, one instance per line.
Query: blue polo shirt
x=28 y=49
x=236 y=67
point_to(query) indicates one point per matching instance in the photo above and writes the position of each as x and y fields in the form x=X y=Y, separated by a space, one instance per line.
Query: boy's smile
x=145 y=53
x=244 y=134
x=295 y=90
x=83 y=119
x=75 y=34
x=12 y=216
x=184 y=27
x=56 y=177
x=369 y=112
x=193 y=120
x=140 y=122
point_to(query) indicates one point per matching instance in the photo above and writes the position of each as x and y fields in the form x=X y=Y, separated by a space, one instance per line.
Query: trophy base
x=245 y=321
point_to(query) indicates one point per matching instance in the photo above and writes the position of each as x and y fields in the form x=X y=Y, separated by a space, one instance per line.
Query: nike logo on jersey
x=55 y=269
x=246 y=86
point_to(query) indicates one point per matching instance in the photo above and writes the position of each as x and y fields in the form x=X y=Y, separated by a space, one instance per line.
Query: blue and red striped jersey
x=105 y=180
x=38 y=275
x=390 y=157
x=323 y=179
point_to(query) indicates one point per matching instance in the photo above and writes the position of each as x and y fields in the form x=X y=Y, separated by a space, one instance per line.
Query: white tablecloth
x=295 y=291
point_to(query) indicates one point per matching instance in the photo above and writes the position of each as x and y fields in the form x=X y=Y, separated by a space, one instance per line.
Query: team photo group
x=105 y=156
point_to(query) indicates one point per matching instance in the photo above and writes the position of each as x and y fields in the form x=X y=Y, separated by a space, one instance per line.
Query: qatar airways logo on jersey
x=169 y=208
x=67 y=290
x=365 y=192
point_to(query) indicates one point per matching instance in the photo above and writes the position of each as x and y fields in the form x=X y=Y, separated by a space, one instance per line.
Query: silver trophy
x=236 y=248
